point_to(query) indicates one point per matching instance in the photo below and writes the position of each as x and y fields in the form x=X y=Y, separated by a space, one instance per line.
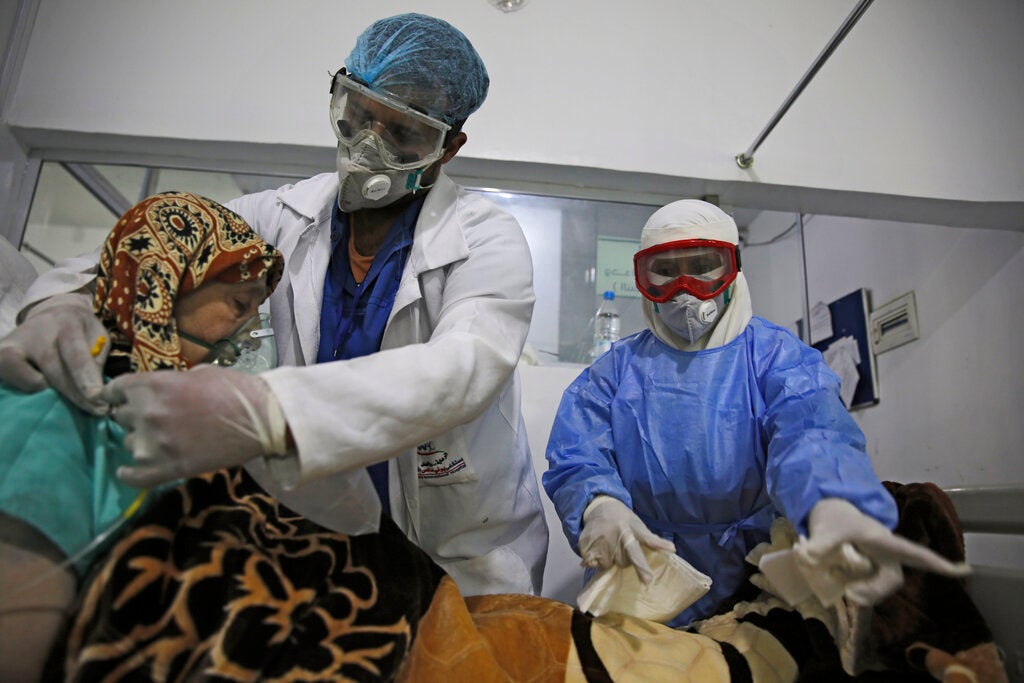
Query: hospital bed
x=499 y=637
x=992 y=519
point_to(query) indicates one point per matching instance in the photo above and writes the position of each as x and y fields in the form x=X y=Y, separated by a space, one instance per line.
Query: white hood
x=689 y=219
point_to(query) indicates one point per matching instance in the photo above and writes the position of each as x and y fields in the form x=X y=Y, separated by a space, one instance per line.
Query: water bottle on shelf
x=606 y=325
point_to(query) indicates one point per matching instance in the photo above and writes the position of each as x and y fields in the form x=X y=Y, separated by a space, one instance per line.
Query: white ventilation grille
x=894 y=324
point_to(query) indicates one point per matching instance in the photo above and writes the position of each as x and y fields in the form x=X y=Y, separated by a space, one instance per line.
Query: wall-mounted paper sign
x=615 y=267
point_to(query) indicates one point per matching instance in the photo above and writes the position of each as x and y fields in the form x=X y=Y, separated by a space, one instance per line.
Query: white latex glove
x=612 y=534
x=54 y=347
x=182 y=424
x=862 y=554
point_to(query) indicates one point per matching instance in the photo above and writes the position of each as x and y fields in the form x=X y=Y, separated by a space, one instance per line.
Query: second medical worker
x=695 y=434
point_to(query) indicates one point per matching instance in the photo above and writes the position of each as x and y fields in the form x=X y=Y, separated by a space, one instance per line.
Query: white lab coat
x=441 y=397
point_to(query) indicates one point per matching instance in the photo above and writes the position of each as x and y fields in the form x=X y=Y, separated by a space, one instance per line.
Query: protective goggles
x=703 y=268
x=406 y=138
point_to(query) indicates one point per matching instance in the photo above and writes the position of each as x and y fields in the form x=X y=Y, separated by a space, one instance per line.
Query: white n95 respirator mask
x=689 y=317
x=363 y=180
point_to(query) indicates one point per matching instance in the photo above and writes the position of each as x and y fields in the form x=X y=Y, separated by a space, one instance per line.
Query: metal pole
x=23 y=189
x=149 y=181
x=807 y=293
x=99 y=187
x=746 y=159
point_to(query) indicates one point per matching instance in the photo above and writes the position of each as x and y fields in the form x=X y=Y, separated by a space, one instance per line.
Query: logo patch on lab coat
x=436 y=466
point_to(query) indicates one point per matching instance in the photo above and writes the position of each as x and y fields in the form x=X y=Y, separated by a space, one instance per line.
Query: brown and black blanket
x=218 y=582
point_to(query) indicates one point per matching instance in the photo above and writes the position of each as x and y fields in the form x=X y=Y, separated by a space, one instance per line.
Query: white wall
x=923 y=98
x=950 y=401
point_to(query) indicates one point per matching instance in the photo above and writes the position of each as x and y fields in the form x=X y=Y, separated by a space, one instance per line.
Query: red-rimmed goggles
x=703 y=268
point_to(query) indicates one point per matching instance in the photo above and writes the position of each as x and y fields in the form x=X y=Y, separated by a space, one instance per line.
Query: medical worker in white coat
x=400 y=318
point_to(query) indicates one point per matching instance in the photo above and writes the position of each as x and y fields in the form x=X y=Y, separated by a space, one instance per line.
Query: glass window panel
x=128 y=180
x=773 y=265
x=567 y=238
x=563 y=235
x=65 y=219
x=220 y=187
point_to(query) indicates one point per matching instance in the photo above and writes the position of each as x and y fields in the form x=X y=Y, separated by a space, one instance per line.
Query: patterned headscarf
x=163 y=247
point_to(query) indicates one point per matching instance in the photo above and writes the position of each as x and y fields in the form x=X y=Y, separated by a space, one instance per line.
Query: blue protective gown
x=708 y=447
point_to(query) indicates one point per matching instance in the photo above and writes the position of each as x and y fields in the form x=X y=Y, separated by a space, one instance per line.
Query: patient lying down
x=928 y=630
x=295 y=601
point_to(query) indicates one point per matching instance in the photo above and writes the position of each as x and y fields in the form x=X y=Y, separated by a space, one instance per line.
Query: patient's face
x=214 y=310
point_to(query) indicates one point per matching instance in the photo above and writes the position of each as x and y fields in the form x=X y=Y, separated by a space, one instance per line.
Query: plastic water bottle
x=606 y=324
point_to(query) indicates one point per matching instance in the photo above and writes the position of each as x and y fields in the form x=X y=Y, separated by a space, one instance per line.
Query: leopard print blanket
x=216 y=581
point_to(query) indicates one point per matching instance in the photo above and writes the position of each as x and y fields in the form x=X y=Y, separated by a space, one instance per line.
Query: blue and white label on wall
x=615 y=267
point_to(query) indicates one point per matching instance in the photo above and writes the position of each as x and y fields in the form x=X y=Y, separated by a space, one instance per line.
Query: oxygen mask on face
x=252 y=348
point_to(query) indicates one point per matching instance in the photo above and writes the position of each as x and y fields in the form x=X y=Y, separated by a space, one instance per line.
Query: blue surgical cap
x=424 y=61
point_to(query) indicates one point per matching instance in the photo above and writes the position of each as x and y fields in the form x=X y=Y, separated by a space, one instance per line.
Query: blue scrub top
x=353 y=315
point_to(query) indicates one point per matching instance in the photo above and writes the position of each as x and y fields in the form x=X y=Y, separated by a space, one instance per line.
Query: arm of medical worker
x=841 y=537
x=580 y=449
x=52 y=345
x=820 y=477
x=815 y=449
x=584 y=483
x=348 y=414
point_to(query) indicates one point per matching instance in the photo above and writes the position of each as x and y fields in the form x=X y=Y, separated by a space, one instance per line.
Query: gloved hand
x=675 y=586
x=182 y=424
x=53 y=347
x=859 y=551
x=612 y=534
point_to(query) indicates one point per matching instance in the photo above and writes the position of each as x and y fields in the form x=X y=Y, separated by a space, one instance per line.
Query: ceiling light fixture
x=508 y=5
